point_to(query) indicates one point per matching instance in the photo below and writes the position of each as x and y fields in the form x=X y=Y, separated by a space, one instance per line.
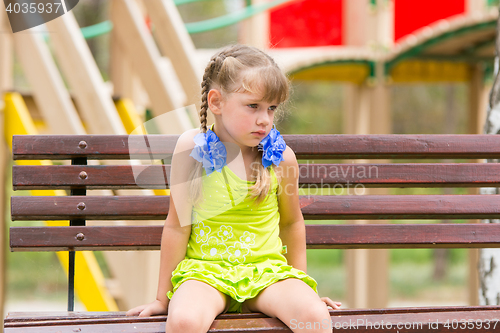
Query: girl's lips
x=261 y=134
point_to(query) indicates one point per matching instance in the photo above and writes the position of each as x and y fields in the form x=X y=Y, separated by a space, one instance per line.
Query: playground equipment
x=366 y=44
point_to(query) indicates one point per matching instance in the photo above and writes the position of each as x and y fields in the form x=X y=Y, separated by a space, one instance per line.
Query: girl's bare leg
x=295 y=304
x=193 y=307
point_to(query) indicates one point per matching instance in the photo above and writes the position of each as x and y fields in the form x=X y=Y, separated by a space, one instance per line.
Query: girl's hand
x=330 y=303
x=151 y=309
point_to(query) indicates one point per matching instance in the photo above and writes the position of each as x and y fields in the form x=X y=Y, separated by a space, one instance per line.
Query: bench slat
x=102 y=238
x=305 y=146
x=155 y=176
x=27 y=177
x=354 y=236
x=95 y=207
x=21 y=317
x=363 y=321
x=261 y=325
x=314 y=207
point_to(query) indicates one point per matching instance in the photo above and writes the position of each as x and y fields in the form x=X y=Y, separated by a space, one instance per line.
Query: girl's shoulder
x=289 y=166
x=289 y=155
x=183 y=148
x=186 y=140
x=289 y=158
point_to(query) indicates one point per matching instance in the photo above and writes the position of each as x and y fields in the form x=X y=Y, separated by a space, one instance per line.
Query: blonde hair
x=241 y=68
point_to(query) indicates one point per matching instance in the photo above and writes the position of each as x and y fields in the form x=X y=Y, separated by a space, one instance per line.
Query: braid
x=205 y=87
x=213 y=66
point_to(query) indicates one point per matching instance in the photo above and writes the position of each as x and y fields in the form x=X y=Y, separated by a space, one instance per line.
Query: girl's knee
x=186 y=322
x=315 y=317
x=185 y=316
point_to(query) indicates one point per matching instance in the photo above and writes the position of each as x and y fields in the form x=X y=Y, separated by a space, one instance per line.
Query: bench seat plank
x=25 y=318
x=475 y=319
x=352 y=236
x=314 y=207
x=19 y=317
x=326 y=146
x=156 y=176
x=261 y=325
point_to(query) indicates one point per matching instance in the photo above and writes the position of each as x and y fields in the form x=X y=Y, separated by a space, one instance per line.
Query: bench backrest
x=321 y=166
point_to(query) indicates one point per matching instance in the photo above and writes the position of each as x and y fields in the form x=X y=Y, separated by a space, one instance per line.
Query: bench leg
x=71 y=281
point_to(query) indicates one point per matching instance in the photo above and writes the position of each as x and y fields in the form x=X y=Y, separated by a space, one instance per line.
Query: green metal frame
x=492 y=3
x=96 y=30
x=105 y=27
x=232 y=18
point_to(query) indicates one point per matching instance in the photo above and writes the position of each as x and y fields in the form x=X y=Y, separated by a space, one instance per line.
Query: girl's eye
x=253 y=106
x=273 y=108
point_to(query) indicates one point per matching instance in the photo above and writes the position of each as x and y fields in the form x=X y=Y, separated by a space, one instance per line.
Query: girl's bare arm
x=292 y=227
x=177 y=227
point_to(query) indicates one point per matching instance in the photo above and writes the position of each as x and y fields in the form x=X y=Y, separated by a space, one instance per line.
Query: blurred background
x=356 y=67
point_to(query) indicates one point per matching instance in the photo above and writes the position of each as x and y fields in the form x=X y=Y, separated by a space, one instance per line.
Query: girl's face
x=246 y=119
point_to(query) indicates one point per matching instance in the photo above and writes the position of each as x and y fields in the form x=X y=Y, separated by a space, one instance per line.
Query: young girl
x=234 y=238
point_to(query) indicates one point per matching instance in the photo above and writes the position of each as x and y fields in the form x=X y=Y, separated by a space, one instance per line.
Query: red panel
x=411 y=15
x=307 y=23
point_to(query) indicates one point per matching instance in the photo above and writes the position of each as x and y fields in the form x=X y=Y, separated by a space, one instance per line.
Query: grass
x=410 y=276
x=326 y=267
x=31 y=275
x=410 y=281
x=35 y=275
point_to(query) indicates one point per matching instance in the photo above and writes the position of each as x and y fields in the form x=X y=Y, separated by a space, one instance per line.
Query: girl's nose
x=263 y=118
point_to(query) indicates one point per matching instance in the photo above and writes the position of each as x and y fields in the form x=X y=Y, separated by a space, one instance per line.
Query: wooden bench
x=78 y=208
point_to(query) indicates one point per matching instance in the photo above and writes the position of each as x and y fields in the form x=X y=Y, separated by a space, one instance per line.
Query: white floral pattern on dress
x=201 y=231
x=213 y=249
x=248 y=238
x=237 y=253
x=225 y=233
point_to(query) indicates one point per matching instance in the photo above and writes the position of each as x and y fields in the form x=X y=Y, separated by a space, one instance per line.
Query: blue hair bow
x=211 y=152
x=272 y=147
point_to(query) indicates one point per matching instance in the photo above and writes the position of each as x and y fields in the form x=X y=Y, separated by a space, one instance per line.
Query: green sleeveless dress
x=234 y=244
